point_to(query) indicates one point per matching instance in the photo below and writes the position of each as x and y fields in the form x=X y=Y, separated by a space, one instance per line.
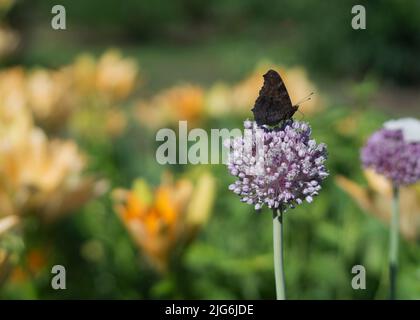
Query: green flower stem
x=393 y=244
x=278 y=254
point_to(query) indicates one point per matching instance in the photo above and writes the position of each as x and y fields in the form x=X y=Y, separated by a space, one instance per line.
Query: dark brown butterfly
x=273 y=104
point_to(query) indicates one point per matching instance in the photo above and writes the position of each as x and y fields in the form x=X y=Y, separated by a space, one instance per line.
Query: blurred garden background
x=80 y=185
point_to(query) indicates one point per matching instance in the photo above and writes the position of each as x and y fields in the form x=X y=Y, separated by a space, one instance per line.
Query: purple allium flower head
x=278 y=167
x=394 y=152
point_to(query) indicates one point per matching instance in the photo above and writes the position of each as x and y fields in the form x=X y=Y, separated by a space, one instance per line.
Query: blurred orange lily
x=168 y=217
x=35 y=263
x=111 y=76
x=41 y=96
x=184 y=102
x=49 y=98
x=115 y=75
x=39 y=174
x=377 y=198
x=102 y=84
x=13 y=99
x=85 y=90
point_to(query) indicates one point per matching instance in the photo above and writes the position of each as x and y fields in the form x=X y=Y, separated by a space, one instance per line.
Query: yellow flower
x=111 y=76
x=184 y=102
x=101 y=85
x=84 y=71
x=51 y=97
x=377 y=200
x=13 y=99
x=151 y=115
x=40 y=175
x=115 y=76
x=167 y=217
x=41 y=95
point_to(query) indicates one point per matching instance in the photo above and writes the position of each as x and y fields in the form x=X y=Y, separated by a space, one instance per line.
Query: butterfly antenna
x=307 y=98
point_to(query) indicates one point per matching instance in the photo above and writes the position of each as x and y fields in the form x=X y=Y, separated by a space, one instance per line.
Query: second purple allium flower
x=391 y=152
x=281 y=171
x=394 y=152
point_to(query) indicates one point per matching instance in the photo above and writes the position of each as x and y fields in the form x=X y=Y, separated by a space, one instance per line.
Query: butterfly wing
x=273 y=103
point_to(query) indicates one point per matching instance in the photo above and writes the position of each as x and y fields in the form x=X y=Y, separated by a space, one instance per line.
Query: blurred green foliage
x=319 y=30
